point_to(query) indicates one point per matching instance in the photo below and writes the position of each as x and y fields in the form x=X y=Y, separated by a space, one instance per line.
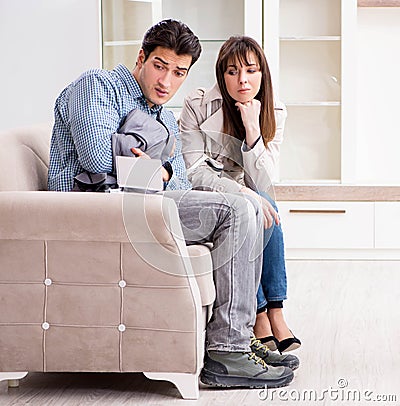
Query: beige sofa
x=99 y=282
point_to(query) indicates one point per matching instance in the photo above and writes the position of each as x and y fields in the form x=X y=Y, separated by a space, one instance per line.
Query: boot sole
x=227 y=381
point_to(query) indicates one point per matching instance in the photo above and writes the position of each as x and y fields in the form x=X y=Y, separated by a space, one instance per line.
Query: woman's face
x=243 y=81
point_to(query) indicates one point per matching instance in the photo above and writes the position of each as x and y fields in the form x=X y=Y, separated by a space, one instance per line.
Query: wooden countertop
x=378 y=3
x=337 y=193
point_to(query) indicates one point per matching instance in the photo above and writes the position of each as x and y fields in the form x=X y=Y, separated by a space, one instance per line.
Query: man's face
x=161 y=75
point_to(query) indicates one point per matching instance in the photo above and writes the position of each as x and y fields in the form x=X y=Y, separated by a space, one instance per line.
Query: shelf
x=211 y=19
x=122 y=43
x=310 y=72
x=213 y=40
x=311 y=149
x=309 y=18
x=312 y=38
x=139 y=42
x=123 y=23
x=312 y=104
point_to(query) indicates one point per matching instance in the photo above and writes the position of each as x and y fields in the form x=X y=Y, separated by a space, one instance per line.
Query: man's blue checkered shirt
x=87 y=113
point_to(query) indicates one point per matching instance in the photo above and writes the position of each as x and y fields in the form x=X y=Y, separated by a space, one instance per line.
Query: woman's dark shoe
x=288 y=344
x=271 y=342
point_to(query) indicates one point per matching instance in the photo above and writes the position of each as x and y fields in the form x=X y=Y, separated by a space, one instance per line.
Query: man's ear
x=140 y=59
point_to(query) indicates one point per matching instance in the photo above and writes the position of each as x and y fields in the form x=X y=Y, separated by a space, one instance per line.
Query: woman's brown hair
x=238 y=49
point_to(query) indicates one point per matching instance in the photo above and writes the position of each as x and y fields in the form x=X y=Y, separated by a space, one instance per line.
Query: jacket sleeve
x=261 y=163
x=200 y=174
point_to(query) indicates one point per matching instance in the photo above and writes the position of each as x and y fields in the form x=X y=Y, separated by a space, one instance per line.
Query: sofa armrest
x=85 y=217
x=98 y=287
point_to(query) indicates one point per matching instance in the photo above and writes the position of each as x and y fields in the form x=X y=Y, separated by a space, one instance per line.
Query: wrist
x=252 y=136
x=252 y=141
x=167 y=171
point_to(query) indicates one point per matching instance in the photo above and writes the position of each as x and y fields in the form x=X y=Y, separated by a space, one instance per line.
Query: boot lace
x=258 y=345
x=257 y=360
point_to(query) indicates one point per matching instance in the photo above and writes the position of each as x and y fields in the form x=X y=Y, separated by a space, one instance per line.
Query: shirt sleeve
x=94 y=118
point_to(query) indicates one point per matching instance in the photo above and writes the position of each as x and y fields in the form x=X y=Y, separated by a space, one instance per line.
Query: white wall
x=45 y=44
x=378 y=95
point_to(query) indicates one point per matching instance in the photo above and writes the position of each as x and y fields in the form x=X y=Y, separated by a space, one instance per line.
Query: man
x=90 y=110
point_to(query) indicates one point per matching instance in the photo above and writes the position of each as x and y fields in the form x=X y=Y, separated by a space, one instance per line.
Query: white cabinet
x=341 y=230
x=387 y=225
x=310 y=45
x=126 y=21
x=327 y=225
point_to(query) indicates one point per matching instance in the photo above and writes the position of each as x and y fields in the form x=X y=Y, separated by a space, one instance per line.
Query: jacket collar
x=214 y=122
x=212 y=94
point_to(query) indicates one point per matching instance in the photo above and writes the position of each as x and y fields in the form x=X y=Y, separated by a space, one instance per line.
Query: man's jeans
x=234 y=224
x=273 y=285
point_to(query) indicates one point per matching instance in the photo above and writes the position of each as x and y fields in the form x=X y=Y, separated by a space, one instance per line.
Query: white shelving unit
x=125 y=21
x=310 y=45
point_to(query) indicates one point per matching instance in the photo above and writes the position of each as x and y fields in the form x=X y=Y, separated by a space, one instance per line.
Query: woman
x=224 y=151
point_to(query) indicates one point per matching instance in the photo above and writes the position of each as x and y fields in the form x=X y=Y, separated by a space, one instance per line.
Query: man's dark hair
x=174 y=35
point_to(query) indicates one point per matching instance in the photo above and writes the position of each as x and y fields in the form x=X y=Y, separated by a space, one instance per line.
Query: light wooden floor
x=347 y=315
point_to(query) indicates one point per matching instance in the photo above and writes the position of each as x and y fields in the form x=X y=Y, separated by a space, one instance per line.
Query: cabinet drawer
x=341 y=225
x=387 y=225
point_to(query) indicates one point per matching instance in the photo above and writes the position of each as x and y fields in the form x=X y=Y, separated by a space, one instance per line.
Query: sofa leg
x=13 y=383
x=12 y=378
x=187 y=384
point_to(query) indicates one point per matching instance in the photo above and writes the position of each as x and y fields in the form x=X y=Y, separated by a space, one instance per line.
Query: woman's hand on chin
x=250 y=113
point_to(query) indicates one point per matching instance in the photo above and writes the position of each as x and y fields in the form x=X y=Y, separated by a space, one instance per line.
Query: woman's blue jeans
x=273 y=284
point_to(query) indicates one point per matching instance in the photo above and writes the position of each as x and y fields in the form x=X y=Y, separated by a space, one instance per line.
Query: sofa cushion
x=24 y=158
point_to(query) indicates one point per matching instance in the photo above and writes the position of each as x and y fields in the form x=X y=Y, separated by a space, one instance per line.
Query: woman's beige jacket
x=201 y=131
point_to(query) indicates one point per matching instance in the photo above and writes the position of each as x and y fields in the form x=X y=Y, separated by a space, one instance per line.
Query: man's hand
x=270 y=215
x=140 y=154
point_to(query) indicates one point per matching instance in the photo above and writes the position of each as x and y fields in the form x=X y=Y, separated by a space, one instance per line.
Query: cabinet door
x=329 y=225
x=313 y=73
x=387 y=225
x=126 y=21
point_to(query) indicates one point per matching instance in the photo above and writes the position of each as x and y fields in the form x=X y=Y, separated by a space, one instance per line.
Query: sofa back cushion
x=24 y=158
